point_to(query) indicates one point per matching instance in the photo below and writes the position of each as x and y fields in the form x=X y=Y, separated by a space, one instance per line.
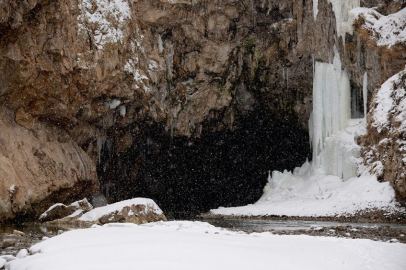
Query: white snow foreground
x=197 y=245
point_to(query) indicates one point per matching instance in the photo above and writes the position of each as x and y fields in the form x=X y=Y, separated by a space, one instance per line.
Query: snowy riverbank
x=198 y=245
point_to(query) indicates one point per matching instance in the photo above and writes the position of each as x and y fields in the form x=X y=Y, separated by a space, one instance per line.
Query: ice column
x=315 y=8
x=331 y=105
x=365 y=93
x=341 y=10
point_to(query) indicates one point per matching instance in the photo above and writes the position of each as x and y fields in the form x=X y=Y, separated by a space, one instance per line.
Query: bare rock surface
x=38 y=167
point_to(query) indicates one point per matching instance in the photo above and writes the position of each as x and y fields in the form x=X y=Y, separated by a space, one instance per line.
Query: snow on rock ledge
x=61 y=210
x=137 y=211
x=384 y=145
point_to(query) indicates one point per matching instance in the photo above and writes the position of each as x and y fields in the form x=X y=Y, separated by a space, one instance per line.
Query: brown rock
x=60 y=210
x=36 y=165
x=8 y=242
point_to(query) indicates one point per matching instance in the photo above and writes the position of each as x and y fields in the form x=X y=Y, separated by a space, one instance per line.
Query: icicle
x=344 y=19
x=160 y=44
x=365 y=93
x=315 y=8
x=123 y=110
x=114 y=103
x=100 y=145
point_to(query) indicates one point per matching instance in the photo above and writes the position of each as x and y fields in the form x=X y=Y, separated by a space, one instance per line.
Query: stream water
x=235 y=224
x=290 y=225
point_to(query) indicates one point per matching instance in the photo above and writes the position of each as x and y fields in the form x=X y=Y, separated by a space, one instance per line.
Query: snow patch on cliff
x=103 y=20
x=386 y=30
x=391 y=93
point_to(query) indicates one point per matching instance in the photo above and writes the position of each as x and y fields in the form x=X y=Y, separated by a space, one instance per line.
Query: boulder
x=59 y=210
x=137 y=211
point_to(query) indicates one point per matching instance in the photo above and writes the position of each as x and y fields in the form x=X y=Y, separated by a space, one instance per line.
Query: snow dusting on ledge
x=392 y=92
x=103 y=20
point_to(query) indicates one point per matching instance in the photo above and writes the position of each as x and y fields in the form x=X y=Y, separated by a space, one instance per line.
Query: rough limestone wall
x=38 y=167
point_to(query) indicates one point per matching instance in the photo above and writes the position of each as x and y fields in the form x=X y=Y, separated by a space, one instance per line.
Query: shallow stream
x=290 y=225
x=235 y=224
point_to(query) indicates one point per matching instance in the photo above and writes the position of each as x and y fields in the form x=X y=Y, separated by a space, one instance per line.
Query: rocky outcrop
x=384 y=146
x=60 y=210
x=137 y=211
x=39 y=166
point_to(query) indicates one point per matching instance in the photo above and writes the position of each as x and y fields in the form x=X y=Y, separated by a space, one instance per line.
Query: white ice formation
x=344 y=18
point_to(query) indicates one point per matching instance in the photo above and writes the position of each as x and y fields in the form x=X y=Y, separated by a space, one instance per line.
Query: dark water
x=32 y=228
x=290 y=225
x=236 y=224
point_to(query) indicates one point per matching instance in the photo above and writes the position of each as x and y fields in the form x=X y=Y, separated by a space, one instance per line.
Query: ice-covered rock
x=22 y=254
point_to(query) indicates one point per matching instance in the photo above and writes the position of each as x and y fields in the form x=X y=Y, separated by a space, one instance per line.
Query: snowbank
x=98 y=213
x=387 y=30
x=197 y=245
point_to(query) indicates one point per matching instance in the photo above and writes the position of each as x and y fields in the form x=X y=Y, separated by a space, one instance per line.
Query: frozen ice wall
x=331 y=129
x=331 y=104
x=341 y=10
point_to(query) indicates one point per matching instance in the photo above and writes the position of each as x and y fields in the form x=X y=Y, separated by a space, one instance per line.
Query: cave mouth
x=189 y=176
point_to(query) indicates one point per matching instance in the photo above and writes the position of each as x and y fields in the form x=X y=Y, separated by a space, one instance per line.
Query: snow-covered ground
x=196 y=245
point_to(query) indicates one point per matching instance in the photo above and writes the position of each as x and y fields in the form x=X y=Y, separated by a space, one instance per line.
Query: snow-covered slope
x=197 y=245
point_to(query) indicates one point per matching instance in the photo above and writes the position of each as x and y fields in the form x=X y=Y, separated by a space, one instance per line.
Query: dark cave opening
x=189 y=176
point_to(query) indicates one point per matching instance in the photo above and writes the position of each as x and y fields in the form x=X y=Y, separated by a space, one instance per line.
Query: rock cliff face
x=111 y=72
x=39 y=166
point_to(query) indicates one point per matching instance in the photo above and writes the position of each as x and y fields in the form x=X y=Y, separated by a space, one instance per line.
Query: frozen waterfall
x=331 y=115
x=341 y=10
